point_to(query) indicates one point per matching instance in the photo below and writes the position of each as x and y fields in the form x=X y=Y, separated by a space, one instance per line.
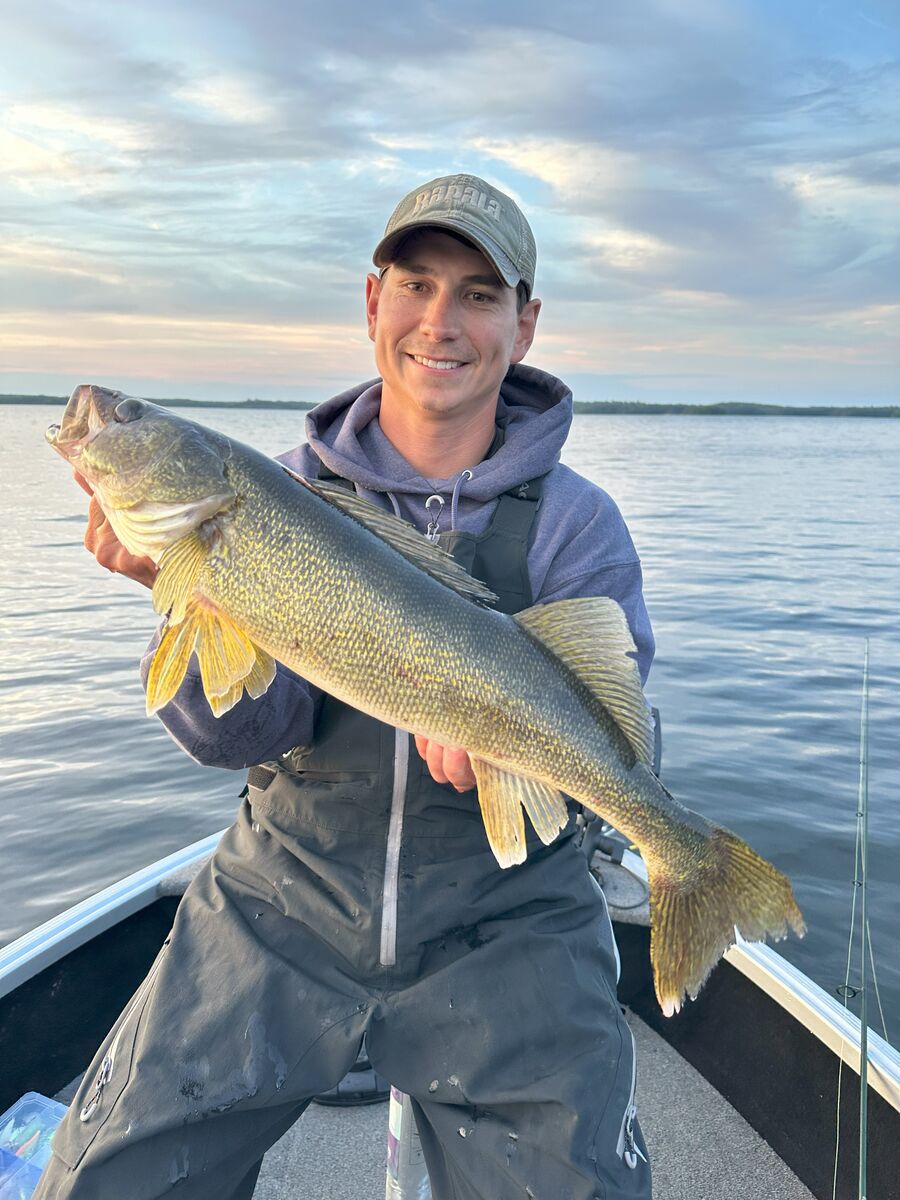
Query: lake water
x=770 y=549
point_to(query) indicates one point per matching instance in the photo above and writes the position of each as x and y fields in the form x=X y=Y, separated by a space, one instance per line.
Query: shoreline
x=583 y=407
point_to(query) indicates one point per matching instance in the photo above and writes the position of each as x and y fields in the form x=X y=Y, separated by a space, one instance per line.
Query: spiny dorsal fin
x=403 y=537
x=591 y=636
x=502 y=796
x=229 y=661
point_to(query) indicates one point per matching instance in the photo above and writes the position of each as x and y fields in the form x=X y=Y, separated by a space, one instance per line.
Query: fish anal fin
x=546 y=808
x=502 y=796
x=591 y=636
x=179 y=567
x=402 y=537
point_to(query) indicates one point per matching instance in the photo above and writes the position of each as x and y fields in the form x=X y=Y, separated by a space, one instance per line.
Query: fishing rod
x=862 y=817
x=860 y=879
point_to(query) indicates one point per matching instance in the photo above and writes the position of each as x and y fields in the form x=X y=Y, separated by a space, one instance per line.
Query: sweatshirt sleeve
x=254 y=731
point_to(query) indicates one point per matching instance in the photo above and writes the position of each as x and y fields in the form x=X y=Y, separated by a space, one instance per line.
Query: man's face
x=445 y=327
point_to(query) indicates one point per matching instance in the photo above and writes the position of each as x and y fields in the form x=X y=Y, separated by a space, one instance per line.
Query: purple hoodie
x=580 y=545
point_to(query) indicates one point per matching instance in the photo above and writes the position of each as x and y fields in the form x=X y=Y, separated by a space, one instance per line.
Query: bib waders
x=354 y=895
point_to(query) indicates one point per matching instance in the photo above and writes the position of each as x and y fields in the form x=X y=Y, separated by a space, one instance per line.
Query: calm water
x=770 y=548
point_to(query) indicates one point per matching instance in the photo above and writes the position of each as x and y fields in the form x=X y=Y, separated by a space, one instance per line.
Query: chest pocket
x=349 y=746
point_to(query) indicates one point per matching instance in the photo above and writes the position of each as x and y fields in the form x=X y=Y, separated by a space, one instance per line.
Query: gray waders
x=355 y=896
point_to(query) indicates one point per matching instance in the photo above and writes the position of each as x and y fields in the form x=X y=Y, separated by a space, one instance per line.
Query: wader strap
x=347 y=740
x=260 y=777
x=499 y=556
x=328 y=476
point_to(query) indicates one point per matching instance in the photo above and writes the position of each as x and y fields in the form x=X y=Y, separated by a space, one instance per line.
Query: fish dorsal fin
x=229 y=662
x=502 y=796
x=591 y=636
x=403 y=537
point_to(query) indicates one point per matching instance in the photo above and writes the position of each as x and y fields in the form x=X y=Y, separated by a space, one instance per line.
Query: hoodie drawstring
x=457 y=487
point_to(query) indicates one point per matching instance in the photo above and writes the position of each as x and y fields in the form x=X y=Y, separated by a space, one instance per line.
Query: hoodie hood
x=534 y=413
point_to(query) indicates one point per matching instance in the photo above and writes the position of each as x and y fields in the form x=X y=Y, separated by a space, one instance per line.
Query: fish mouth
x=89 y=410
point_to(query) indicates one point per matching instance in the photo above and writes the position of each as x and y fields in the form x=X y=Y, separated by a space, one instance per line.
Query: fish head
x=156 y=476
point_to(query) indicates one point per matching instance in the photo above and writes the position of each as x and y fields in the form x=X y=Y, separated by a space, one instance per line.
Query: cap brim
x=383 y=255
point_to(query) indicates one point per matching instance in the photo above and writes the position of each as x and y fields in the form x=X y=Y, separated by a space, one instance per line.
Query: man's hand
x=447 y=764
x=109 y=552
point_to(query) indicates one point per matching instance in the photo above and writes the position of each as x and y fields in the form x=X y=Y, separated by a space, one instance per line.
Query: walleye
x=258 y=566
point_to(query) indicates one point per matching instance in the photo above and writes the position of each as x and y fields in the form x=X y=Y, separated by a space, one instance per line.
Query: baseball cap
x=479 y=212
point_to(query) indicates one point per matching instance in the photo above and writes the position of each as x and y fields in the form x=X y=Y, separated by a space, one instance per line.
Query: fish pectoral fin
x=591 y=636
x=502 y=796
x=179 y=567
x=404 y=538
x=229 y=661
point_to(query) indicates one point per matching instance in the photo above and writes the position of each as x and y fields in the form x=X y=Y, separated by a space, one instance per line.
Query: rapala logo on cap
x=456 y=194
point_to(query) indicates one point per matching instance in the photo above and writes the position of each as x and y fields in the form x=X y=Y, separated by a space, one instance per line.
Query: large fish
x=258 y=565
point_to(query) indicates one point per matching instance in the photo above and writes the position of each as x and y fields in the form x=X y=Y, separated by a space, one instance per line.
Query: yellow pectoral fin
x=502 y=797
x=178 y=570
x=229 y=661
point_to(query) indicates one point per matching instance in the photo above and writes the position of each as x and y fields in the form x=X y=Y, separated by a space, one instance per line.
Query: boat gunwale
x=801 y=997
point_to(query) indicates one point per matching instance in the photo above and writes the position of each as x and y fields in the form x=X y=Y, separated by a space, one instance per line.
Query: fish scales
x=257 y=565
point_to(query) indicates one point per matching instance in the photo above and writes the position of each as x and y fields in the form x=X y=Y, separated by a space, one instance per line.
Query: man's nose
x=440 y=320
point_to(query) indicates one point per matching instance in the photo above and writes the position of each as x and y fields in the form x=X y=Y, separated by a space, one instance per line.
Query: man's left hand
x=447 y=764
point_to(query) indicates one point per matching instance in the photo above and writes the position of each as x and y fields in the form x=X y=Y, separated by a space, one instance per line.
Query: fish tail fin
x=692 y=927
x=229 y=661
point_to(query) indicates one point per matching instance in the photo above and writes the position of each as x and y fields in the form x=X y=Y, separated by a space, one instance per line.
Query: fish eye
x=128 y=410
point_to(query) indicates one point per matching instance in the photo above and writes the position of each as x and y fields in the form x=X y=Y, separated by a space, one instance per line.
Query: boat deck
x=700 y=1148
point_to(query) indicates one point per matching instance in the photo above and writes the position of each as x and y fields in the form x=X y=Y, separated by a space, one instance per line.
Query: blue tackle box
x=26 y=1131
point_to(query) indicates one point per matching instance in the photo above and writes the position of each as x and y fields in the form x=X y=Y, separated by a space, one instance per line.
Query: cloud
x=684 y=163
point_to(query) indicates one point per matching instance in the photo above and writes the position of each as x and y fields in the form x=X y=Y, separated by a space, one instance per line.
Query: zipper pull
x=103 y=1077
x=632 y=1149
x=433 y=531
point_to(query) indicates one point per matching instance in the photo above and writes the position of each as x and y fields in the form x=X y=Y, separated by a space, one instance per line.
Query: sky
x=190 y=193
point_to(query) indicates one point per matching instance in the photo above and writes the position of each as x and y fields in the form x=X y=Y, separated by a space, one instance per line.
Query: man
x=356 y=893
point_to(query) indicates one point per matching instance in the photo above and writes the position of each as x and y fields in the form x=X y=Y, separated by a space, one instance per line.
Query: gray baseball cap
x=482 y=214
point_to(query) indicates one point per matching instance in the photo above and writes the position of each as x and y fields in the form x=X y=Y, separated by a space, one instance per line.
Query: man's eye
x=414 y=285
x=482 y=298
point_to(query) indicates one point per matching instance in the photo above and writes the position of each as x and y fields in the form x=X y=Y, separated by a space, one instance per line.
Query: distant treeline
x=176 y=403
x=725 y=408
x=736 y=409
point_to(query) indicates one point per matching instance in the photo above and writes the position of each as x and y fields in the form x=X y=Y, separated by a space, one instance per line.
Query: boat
x=744 y=1093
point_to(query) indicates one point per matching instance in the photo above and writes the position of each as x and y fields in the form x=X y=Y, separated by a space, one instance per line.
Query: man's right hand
x=109 y=552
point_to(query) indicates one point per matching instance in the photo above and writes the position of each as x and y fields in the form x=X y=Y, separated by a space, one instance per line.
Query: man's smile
x=438 y=364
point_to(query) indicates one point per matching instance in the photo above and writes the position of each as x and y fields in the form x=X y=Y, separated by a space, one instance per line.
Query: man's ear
x=373 y=292
x=525 y=331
